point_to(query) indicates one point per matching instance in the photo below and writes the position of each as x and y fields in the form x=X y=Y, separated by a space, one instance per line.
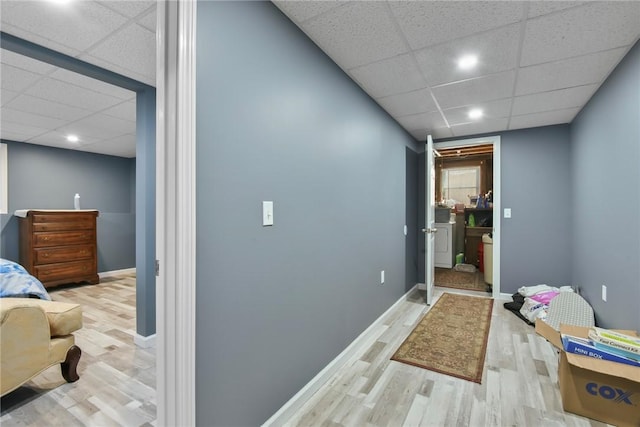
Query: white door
x=430 y=217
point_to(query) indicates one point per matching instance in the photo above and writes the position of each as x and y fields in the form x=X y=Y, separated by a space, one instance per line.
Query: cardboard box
x=598 y=389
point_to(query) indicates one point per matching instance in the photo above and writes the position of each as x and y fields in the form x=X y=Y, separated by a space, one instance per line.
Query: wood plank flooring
x=117 y=378
x=519 y=385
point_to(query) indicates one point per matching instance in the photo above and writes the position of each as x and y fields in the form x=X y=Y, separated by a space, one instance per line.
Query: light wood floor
x=519 y=383
x=117 y=378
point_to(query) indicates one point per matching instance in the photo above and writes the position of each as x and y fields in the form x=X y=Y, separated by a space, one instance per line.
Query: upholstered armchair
x=34 y=335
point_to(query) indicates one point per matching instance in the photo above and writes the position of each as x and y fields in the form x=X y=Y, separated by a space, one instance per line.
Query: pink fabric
x=545 y=297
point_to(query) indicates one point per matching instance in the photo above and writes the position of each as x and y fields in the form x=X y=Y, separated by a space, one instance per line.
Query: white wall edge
x=144 y=342
x=112 y=273
x=4 y=180
x=301 y=397
x=175 y=213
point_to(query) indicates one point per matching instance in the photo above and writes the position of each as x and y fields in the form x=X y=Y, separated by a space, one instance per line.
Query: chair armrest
x=24 y=341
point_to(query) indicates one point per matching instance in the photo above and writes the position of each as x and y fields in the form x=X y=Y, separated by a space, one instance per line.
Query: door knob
x=429 y=230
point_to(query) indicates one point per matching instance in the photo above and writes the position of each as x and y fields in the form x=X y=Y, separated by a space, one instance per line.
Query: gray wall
x=605 y=159
x=535 y=181
x=48 y=178
x=277 y=120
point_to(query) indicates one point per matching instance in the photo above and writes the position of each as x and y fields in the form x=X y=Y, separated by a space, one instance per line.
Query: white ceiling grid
x=539 y=62
x=41 y=104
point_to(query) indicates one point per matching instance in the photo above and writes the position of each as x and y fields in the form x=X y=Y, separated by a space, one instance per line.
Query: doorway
x=467 y=217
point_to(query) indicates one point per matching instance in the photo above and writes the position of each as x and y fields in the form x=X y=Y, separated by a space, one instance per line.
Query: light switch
x=267 y=213
x=507 y=212
x=405 y=230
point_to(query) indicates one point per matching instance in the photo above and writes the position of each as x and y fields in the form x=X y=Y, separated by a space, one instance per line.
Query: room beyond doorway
x=470 y=220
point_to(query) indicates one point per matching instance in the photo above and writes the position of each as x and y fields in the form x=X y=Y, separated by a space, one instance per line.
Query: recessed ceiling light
x=467 y=62
x=73 y=138
x=476 y=113
x=60 y=1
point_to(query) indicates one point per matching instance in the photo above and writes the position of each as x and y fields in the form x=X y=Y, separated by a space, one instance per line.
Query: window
x=4 y=185
x=460 y=183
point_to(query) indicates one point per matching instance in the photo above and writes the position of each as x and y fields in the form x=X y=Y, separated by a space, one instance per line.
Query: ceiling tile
x=554 y=100
x=474 y=91
x=538 y=8
x=129 y=8
x=543 y=119
x=135 y=57
x=497 y=51
x=300 y=11
x=390 y=76
x=91 y=84
x=6 y=96
x=16 y=79
x=482 y=126
x=25 y=63
x=124 y=111
x=441 y=133
x=23 y=131
x=76 y=25
x=46 y=108
x=59 y=139
x=592 y=68
x=419 y=134
x=26 y=118
x=358 y=33
x=75 y=96
x=579 y=31
x=491 y=110
x=99 y=126
x=123 y=146
x=149 y=21
x=431 y=22
x=431 y=120
x=419 y=101
x=12 y=136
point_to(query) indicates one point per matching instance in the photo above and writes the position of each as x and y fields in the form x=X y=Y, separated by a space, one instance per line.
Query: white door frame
x=497 y=195
x=429 y=219
x=175 y=213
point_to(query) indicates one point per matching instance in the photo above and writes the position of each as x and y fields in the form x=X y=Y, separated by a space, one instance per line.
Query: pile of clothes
x=532 y=302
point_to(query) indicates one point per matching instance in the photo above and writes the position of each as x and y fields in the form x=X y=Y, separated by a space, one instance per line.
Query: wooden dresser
x=59 y=247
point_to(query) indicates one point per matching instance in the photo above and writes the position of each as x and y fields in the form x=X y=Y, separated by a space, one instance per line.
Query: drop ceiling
x=538 y=62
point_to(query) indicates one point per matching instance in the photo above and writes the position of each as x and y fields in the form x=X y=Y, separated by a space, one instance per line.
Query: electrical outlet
x=604 y=293
x=382 y=277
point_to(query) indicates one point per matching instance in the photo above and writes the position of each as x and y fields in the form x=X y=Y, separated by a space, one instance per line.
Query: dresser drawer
x=68 y=218
x=63 y=226
x=62 y=254
x=50 y=272
x=63 y=238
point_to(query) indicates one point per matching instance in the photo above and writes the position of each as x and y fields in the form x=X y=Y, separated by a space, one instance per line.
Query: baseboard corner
x=145 y=342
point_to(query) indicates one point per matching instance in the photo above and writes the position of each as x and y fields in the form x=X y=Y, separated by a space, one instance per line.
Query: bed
x=16 y=282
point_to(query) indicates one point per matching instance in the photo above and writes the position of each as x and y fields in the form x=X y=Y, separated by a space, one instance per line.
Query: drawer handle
x=46 y=255
x=45 y=238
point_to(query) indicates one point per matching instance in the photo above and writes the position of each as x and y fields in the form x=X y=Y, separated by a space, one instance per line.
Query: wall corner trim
x=145 y=342
x=299 y=399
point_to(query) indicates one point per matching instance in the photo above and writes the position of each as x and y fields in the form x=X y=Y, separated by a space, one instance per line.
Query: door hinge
x=157 y=268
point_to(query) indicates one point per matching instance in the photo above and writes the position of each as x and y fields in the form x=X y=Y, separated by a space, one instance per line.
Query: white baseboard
x=508 y=297
x=299 y=399
x=422 y=286
x=144 y=342
x=117 y=272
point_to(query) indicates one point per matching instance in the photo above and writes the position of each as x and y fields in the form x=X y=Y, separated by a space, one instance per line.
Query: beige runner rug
x=451 y=338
